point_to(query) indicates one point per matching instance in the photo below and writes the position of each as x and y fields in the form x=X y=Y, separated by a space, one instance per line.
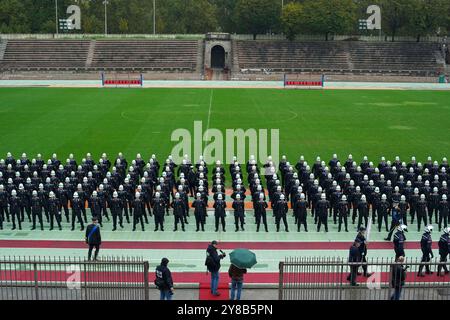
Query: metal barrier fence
x=73 y=279
x=327 y=279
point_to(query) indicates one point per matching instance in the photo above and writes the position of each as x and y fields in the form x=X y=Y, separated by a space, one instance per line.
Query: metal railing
x=63 y=278
x=327 y=279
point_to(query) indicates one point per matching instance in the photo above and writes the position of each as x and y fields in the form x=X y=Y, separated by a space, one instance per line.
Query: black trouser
x=425 y=258
x=353 y=274
x=443 y=258
x=66 y=210
x=432 y=210
x=222 y=220
x=382 y=217
x=260 y=216
x=148 y=206
x=125 y=208
x=343 y=217
x=186 y=212
x=419 y=221
x=199 y=221
x=78 y=216
x=354 y=215
x=239 y=218
x=374 y=212
x=302 y=221
x=83 y=209
x=404 y=218
x=24 y=209
x=115 y=216
x=144 y=213
x=37 y=215
x=137 y=218
x=15 y=215
x=104 y=211
x=278 y=220
x=179 y=219
x=391 y=230
x=335 y=214
x=360 y=220
x=412 y=212
x=443 y=219
x=159 y=221
x=57 y=217
x=364 y=266
x=97 y=249
x=324 y=221
x=4 y=212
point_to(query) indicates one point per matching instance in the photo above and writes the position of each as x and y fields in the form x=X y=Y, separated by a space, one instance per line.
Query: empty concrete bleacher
x=146 y=54
x=339 y=56
x=45 y=54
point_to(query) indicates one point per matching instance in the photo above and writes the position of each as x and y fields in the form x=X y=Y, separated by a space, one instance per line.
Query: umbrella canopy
x=243 y=258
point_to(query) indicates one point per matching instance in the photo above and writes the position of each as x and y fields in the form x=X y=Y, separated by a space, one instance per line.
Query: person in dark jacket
x=426 y=245
x=363 y=211
x=14 y=209
x=213 y=265
x=301 y=212
x=53 y=208
x=159 y=207
x=443 y=211
x=281 y=208
x=398 y=276
x=77 y=205
x=93 y=238
x=138 y=211
x=322 y=212
x=260 y=207
x=444 y=249
x=361 y=238
x=237 y=280
x=116 y=210
x=164 y=281
x=343 y=212
x=396 y=220
x=179 y=210
x=354 y=257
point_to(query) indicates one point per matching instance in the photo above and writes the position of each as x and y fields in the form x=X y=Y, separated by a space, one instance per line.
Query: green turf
x=372 y=123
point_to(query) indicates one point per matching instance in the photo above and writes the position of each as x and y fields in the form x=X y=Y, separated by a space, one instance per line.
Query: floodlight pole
x=106 y=16
x=56 y=16
x=154 y=16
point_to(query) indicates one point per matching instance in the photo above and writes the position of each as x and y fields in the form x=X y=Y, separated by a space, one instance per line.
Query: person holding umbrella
x=241 y=260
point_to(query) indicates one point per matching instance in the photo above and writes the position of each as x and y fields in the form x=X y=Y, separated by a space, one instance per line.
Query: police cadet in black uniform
x=443 y=211
x=444 y=249
x=260 y=207
x=426 y=244
x=179 y=210
x=4 y=212
x=399 y=241
x=14 y=209
x=95 y=206
x=363 y=211
x=116 y=210
x=301 y=212
x=138 y=211
x=159 y=208
x=53 y=208
x=383 y=211
x=421 y=209
x=77 y=205
x=219 y=212
x=36 y=210
x=199 y=212
x=343 y=211
x=281 y=209
x=63 y=198
x=322 y=212
x=239 y=212
x=124 y=198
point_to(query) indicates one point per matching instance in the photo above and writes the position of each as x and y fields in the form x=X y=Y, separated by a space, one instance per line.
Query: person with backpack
x=93 y=238
x=163 y=280
x=213 y=265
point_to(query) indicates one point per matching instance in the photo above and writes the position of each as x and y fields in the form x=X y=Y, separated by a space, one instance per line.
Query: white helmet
x=138 y=195
x=115 y=194
x=75 y=195
x=428 y=229
x=402 y=228
x=219 y=197
x=447 y=230
x=344 y=198
x=282 y=197
x=383 y=197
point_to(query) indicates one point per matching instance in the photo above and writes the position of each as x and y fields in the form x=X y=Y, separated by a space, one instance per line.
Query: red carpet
x=129 y=245
x=205 y=291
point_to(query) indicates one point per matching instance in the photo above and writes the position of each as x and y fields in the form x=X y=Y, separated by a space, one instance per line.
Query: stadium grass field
x=311 y=122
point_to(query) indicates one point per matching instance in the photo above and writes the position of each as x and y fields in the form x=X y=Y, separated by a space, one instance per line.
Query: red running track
x=199 y=277
x=167 y=245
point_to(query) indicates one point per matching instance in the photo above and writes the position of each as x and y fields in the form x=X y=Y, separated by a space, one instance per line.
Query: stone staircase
x=3 y=44
x=90 y=55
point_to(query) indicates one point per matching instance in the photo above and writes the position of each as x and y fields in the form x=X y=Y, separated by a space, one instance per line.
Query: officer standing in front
x=93 y=238
x=354 y=258
x=444 y=249
x=399 y=241
x=426 y=244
